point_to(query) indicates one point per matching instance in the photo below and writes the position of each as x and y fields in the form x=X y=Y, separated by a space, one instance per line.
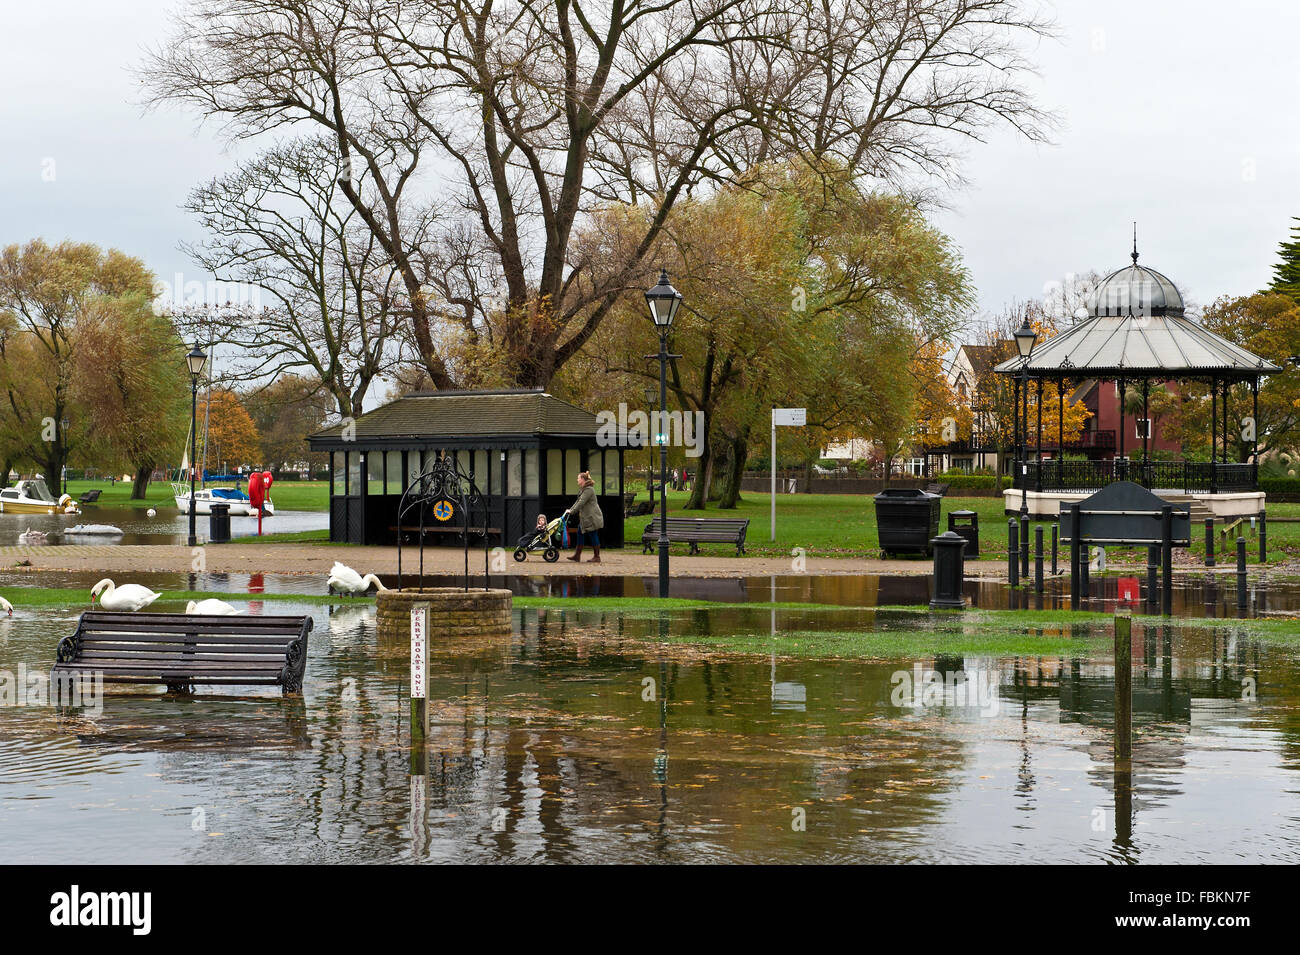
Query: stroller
x=548 y=540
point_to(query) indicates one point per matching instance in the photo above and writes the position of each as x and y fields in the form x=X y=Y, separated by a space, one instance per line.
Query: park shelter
x=1136 y=334
x=522 y=448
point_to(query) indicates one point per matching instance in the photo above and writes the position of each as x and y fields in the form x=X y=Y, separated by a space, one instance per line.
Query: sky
x=1183 y=116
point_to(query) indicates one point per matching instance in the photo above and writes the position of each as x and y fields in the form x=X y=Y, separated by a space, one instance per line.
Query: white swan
x=211 y=607
x=347 y=581
x=151 y=512
x=7 y=607
x=127 y=597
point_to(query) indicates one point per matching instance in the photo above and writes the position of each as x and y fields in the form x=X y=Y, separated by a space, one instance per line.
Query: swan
x=151 y=512
x=347 y=581
x=126 y=597
x=32 y=536
x=211 y=607
x=7 y=607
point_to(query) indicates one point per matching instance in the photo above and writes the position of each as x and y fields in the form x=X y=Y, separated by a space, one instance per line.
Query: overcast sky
x=1181 y=115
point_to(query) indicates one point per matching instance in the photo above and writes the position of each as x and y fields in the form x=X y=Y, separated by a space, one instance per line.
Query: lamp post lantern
x=196 y=361
x=1025 y=338
x=663 y=301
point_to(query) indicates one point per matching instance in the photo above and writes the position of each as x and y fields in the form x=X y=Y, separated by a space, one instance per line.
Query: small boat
x=34 y=497
x=205 y=497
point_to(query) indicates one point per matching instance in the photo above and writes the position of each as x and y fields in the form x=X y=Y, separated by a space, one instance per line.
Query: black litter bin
x=967 y=524
x=907 y=519
x=219 y=524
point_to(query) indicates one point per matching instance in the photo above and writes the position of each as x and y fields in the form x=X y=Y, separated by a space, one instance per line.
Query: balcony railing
x=1100 y=440
x=1187 y=477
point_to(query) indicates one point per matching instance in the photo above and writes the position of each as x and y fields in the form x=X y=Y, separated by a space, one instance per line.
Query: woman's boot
x=577 y=554
x=596 y=558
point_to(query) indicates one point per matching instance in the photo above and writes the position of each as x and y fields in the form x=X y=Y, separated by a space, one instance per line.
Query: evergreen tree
x=1286 y=274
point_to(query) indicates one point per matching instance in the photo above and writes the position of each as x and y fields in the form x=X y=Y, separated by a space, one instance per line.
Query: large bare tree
x=480 y=133
x=327 y=290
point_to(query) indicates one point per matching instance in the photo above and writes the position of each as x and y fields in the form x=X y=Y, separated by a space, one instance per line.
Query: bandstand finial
x=1135 y=243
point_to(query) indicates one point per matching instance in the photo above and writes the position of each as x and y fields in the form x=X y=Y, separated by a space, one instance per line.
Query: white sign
x=789 y=417
x=419 y=650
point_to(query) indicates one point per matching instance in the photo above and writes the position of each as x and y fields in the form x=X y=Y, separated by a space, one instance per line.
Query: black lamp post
x=650 y=462
x=663 y=301
x=195 y=361
x=1025 y=338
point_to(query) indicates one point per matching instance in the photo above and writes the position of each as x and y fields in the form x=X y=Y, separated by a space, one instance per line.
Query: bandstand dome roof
x=1136 y=328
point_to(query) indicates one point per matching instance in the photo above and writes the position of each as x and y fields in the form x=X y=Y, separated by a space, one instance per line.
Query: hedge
x=961 y=479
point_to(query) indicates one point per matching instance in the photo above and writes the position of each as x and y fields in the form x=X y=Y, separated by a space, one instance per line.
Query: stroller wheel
x=550 y=555
x=521 y=555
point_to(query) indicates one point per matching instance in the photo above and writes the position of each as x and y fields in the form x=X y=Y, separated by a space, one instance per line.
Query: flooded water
x=170 y=526
x=592 y=736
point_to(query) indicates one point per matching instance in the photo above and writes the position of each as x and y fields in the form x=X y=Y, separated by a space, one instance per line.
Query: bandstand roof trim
x=1154 y=346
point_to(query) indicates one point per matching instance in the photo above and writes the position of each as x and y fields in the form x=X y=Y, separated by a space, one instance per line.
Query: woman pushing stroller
x=590 y=519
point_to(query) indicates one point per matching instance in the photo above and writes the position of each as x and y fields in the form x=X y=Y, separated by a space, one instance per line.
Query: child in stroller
x=548 y=537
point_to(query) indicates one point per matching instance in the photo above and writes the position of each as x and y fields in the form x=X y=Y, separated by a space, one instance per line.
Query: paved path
x=315 y=559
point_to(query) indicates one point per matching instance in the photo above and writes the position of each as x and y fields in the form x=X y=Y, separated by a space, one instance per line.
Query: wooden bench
x=182 y=651
x=90 y=497
x=698 y=530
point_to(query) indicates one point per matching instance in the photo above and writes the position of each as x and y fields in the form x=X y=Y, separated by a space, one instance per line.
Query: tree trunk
x=141 y=482
x=703 y=466
x=729 y=490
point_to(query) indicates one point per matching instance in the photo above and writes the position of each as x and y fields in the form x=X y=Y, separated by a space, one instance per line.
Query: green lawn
x=287 y=495
x=844 y=525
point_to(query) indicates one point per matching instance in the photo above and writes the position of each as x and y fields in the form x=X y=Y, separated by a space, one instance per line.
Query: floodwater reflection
x=591 y=737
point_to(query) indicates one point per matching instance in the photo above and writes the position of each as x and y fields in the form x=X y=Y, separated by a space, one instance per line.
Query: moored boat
x=34 y=497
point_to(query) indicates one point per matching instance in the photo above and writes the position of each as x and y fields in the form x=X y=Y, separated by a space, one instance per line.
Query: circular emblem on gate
x=442 y=510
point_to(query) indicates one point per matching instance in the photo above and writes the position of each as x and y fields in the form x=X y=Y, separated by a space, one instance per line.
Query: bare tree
x=482 y=132
x=279 y=224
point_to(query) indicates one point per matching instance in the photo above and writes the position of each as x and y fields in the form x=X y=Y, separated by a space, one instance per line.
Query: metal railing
x=1187 y=477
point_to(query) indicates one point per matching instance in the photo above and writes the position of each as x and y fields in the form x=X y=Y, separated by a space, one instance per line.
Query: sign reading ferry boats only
x=419 y=650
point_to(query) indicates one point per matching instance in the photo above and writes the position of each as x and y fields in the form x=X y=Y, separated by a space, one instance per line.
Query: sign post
x=419 y=674
x=785 y=417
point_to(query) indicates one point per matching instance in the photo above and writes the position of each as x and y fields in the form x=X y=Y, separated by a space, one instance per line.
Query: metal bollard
x=1075 y=595
x=1013 y=552
x=1024 y=543
x=1153 y=568
x=1038 y=559
x=1241 y=574
x=1083 y=572
x=1209 y=542
x=1263 y=538
x=1055 y=532
x=1167 y=559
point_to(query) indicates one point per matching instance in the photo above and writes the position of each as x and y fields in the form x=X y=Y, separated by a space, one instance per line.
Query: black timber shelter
x=522 y=448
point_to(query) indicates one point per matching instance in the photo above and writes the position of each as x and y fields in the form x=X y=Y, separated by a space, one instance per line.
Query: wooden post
x=1055 y=531
x=419 y=674
x=1123 y=687
x=1209 y=542
x=1263 y=538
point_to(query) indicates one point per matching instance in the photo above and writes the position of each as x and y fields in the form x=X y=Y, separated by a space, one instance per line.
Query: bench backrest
x=219 y=644
x=724 y=528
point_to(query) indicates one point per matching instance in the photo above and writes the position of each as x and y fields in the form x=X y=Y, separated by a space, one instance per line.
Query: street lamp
x=1025 y=338
x=196 y=360
x=663 y=301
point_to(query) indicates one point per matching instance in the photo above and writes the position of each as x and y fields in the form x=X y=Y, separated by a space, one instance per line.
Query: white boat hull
x=237 y=508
